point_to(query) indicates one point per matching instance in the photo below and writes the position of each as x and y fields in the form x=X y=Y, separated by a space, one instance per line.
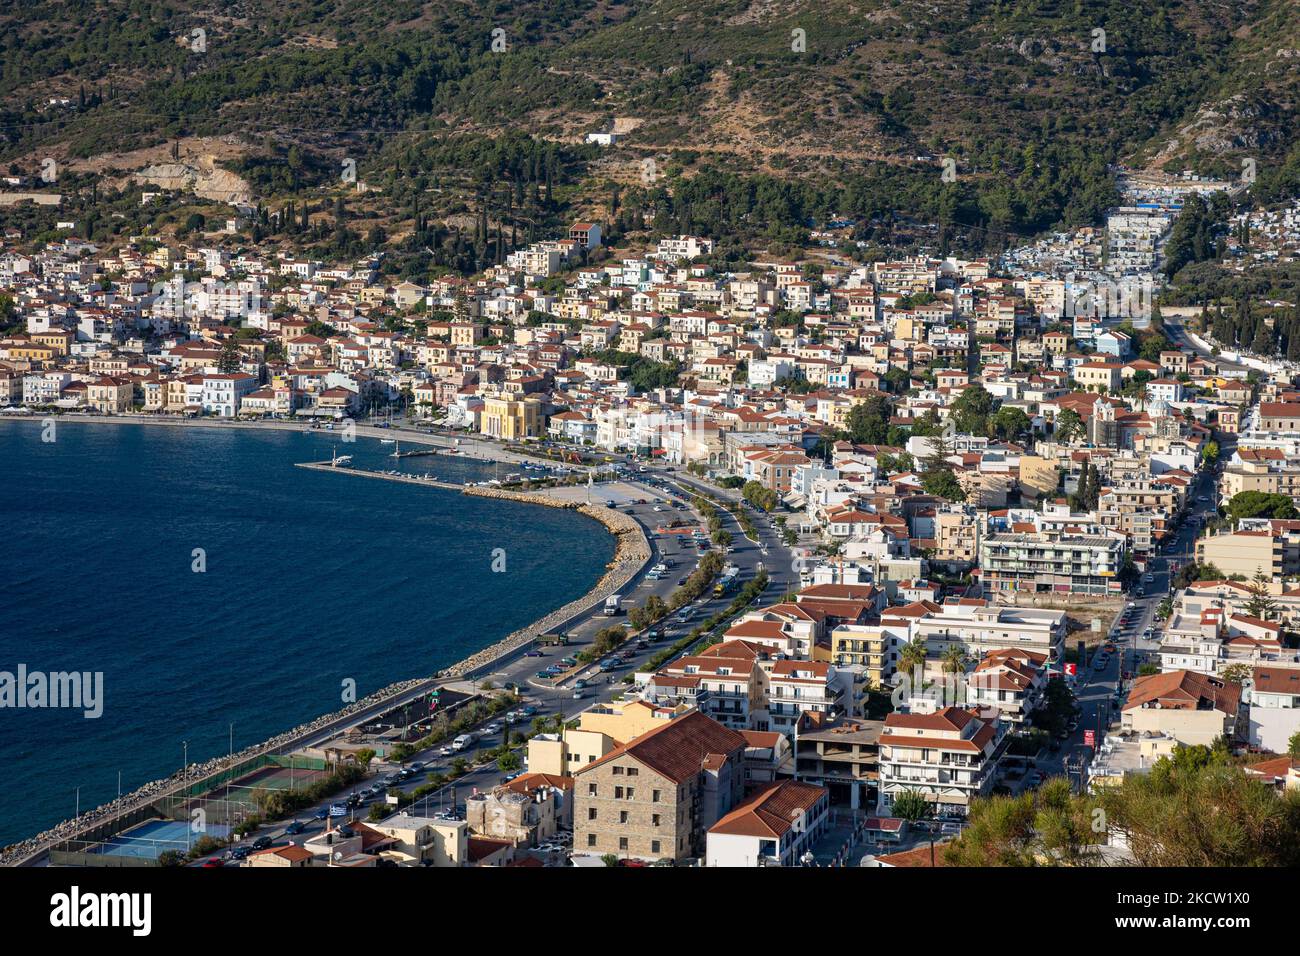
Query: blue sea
x=310 y=579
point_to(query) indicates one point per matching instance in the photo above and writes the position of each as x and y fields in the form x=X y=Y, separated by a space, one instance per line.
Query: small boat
x=387 y=441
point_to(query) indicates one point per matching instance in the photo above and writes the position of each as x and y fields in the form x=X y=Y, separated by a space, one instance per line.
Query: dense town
x=1042 y=529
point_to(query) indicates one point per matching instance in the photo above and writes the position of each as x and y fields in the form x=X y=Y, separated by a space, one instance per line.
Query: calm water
x=311 y=579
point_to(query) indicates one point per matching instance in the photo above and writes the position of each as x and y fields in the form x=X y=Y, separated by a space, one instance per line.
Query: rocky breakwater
x=631 y=552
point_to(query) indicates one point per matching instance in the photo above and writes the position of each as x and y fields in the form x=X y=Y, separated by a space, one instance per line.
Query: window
x=622 y=843
x=591 y=813
x=632 y=771
x=618 y=771
x=654 y=846
x=622 y=816
x=654 y=796
x=631 y=792
x=654 y=820
x=591 y=839
x=592 y=789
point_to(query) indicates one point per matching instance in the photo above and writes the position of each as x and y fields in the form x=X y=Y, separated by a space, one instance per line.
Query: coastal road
x=639 y=495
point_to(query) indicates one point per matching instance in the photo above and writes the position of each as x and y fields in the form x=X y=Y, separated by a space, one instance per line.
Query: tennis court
x=150 y=840
x=244 y=789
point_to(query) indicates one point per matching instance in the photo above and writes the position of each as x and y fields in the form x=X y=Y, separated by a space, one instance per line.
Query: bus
x=727 y=581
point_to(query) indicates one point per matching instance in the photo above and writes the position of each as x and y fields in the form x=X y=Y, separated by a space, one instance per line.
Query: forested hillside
x=750 y=116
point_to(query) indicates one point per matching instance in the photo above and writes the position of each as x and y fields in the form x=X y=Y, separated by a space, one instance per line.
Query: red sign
x=1072 y=670
x=1089 y=738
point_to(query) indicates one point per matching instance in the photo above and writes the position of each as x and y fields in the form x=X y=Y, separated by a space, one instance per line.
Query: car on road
x=214 y=862
x=296 y=827
x=534 y=654
x=262 y=842
x=240 y=853
x=579 y=694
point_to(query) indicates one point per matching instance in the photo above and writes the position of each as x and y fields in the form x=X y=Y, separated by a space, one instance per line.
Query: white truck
x=612 y=605
x=463 y=741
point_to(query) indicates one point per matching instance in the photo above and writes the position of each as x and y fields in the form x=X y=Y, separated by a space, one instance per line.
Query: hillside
x=789 y=112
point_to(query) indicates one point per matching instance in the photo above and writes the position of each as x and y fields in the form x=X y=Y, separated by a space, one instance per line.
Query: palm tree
x=954 y=659
x=912 y=656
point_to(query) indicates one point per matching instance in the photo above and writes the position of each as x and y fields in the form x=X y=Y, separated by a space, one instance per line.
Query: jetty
x=365 y=473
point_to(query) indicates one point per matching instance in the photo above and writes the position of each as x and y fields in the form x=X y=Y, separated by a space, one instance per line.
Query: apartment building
x=948 y=757
x=1191 y=708
x=869 y=646
x=1042 y=563
x=1009 y=681
x=957 y=537
x=1143 y=510
x=601 y=728
x=842 y=755
x=1268 y=470
x=1272 y=695
x=795 y=688
x=656 y=797
x=774 y=827
x=1243 y=552
x=979 y=629
x=727 y=682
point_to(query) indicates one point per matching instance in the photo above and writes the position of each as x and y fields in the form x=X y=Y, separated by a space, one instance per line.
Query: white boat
x=387 y=441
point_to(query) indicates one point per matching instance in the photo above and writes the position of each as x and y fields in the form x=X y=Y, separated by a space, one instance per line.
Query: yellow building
x=1038 y=475
x=511 y=419
x=863 y=644
x=600 y=730
x=110 y=395
x=1242 y=552
x=58 y=339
